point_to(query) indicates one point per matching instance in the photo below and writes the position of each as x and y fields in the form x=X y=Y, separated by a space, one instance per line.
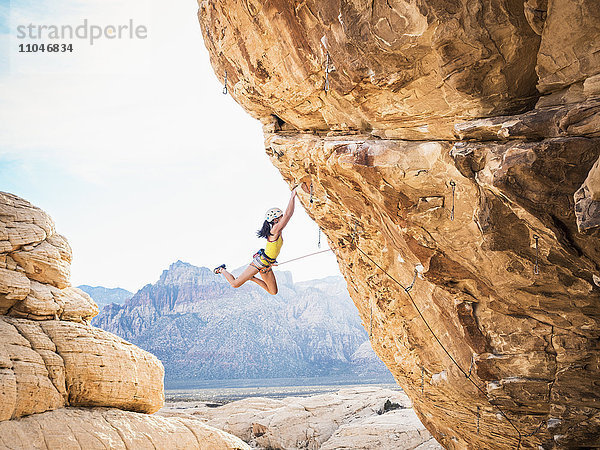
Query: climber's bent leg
x=246 y=275
x=270 y=281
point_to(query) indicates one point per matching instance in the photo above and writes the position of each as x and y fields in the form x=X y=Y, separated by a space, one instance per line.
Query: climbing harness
x=326 y=87
x=261 y=261
x=536 y=268
x=225 y=85
x=453 y=184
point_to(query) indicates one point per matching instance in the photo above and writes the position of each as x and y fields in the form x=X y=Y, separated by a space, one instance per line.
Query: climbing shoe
x=217 y=270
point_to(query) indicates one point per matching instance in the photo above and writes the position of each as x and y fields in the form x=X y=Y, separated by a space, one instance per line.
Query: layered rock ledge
x=460 y=139
x=55 y=368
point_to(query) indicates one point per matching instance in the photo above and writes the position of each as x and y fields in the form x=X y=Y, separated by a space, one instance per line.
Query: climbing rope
x=302 y=257
x=225 y=85
x=371 y=326
x=536 y=268
x=453 y=184
x=467 y=376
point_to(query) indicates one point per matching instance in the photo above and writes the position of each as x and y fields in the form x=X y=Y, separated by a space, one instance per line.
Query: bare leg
x=260 y=282
x=270 y=282
x=246 y=275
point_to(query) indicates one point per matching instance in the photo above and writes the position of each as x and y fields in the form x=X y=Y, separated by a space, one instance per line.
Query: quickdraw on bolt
x=418 y=269
x=471 y=368
x=355 y=232
x=422 y=379
x=536 y=268
x=326 y=87
x=311 y=192
x=453 y=184
x=319 y=242
x=225 y=85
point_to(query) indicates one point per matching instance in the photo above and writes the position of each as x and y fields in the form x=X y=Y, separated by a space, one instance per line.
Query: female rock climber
x=275 y=222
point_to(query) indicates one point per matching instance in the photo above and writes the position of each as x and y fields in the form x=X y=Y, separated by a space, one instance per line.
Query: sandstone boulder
x=101 y=428
x=398 y=429
x=27 y=384
x=21 y=223
x=47 y=262
x=14 y=287
x=35 y=266
x=45 y=365
x=48 y=302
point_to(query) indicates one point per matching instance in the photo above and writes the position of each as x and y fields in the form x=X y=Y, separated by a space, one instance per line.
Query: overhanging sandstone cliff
x=462 y=136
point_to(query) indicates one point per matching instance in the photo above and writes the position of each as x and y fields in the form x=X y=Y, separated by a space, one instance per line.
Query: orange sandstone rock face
x=398 y=68
x=427 y=153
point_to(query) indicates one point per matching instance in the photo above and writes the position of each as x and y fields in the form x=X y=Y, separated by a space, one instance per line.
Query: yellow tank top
x=272 y=249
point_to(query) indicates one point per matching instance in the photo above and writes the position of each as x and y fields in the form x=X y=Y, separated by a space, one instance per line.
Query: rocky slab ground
x=102 y=428
x=357 y=418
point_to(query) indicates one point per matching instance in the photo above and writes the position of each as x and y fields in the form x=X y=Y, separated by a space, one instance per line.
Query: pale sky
x=133 y=150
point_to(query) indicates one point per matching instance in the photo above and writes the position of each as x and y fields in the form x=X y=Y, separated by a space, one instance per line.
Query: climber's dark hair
x=265 y=231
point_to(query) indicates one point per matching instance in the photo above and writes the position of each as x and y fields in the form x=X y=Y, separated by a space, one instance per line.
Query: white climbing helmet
x=273 y=214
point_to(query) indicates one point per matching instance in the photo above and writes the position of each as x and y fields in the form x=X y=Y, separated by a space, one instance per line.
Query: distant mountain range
x=201 y=328
x=105 y=296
